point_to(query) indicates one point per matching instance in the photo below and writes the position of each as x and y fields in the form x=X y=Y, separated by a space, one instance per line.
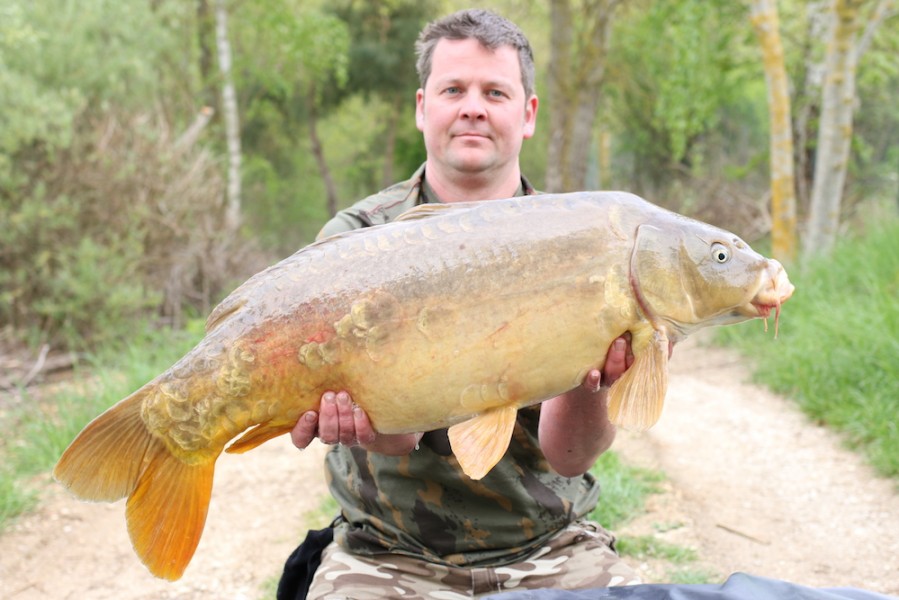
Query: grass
x=837 y=352
x=625 y=490
x=36 y=433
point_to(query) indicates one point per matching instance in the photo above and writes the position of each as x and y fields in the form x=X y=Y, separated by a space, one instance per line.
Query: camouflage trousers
x=579 y=557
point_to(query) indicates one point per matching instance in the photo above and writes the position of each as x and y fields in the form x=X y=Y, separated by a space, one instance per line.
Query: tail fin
x=114 y=457
x=167 y=511
x=106 y=459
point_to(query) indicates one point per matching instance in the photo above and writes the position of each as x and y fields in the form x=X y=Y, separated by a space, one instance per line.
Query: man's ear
x=420 y=109
x=530 y=117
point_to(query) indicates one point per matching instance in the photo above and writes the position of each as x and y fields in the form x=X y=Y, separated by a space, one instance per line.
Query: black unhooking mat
x=739 y=586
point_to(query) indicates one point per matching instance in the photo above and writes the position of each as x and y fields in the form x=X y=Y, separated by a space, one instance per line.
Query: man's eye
x=452 y=90
x=495 y=94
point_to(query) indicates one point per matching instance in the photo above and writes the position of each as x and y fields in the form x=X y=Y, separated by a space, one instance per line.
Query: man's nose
x=474 y=107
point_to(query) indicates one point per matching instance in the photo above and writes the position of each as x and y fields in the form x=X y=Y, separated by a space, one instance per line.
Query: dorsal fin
x=423 y=211
x=226 y=308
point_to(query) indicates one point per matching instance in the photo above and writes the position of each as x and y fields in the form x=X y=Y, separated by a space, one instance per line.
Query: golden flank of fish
x=452 y=316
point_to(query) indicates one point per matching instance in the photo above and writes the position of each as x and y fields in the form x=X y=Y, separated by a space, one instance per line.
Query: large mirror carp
x=452 y=316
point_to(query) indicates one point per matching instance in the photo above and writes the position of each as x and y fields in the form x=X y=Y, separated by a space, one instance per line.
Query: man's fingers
x=304 y=431
x=593 y=380
x=328 y=427
x=346 y=426
x=365 y=433
x=616 y=361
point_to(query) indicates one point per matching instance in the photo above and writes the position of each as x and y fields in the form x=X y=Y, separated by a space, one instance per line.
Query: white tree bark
x=838 y=104
x=835 y=130
x=229 y=108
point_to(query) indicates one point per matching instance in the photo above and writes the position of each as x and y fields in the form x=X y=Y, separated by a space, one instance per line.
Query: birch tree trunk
x=229 y=109
x=783 y=198
x=835 y=130
x=808 y=96
x=574 y=88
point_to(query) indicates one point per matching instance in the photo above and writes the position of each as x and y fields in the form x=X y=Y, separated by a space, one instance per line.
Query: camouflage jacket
x=421 y=504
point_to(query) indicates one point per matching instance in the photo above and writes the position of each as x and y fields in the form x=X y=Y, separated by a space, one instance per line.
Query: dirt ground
x=752 y=486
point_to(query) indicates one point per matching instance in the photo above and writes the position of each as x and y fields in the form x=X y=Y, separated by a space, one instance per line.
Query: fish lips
x=775 y=290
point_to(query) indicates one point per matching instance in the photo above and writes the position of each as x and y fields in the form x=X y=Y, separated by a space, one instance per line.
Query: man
x=412 y=524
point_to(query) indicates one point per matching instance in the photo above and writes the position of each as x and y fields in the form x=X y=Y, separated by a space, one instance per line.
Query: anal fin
x=480 y=443
x=636 y=399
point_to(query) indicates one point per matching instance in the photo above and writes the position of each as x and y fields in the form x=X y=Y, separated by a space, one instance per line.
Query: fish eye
x=720 y=253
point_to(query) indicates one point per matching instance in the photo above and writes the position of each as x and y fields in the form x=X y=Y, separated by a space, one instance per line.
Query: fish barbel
x=451 y=316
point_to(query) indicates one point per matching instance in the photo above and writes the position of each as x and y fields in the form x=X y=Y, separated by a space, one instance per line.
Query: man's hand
x=340 y=421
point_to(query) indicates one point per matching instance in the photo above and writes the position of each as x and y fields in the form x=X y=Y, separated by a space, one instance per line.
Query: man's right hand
x=341 y=421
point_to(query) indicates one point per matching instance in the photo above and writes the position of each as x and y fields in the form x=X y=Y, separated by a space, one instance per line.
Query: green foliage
x=295 y=48
x=58 y=277
x=381 y=55
x=666 y=97
x=624 y=490
x=103 y=235
x=56 y=61
x=838 y=342
x=874 y=148
x=87 y=168
x=30 y=109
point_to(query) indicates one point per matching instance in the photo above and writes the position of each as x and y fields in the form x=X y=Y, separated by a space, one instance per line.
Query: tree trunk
x=835 y=129
x=318 y=152
x=783 y=199
x=808 y=99
x=229 y=108
x=574 y=89
x=396 y=108
x=205 y=45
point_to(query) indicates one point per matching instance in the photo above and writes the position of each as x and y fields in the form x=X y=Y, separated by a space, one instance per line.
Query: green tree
x=97 y=203
x=382 y=63
x=673 y=69
x=293 y=56
x=579 y=43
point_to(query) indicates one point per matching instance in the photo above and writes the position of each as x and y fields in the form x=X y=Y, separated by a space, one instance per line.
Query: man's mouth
x=471 y=135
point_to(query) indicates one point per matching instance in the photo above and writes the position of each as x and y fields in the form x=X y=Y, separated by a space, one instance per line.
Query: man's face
x=473 y=111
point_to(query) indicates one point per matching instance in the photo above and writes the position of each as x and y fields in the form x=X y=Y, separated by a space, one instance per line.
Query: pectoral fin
x=480 y=443
x=637 y=397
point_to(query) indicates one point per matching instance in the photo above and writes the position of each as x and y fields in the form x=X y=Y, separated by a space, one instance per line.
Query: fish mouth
x=774 y=291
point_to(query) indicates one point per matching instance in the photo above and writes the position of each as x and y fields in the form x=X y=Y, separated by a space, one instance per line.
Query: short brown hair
x=490 y=29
